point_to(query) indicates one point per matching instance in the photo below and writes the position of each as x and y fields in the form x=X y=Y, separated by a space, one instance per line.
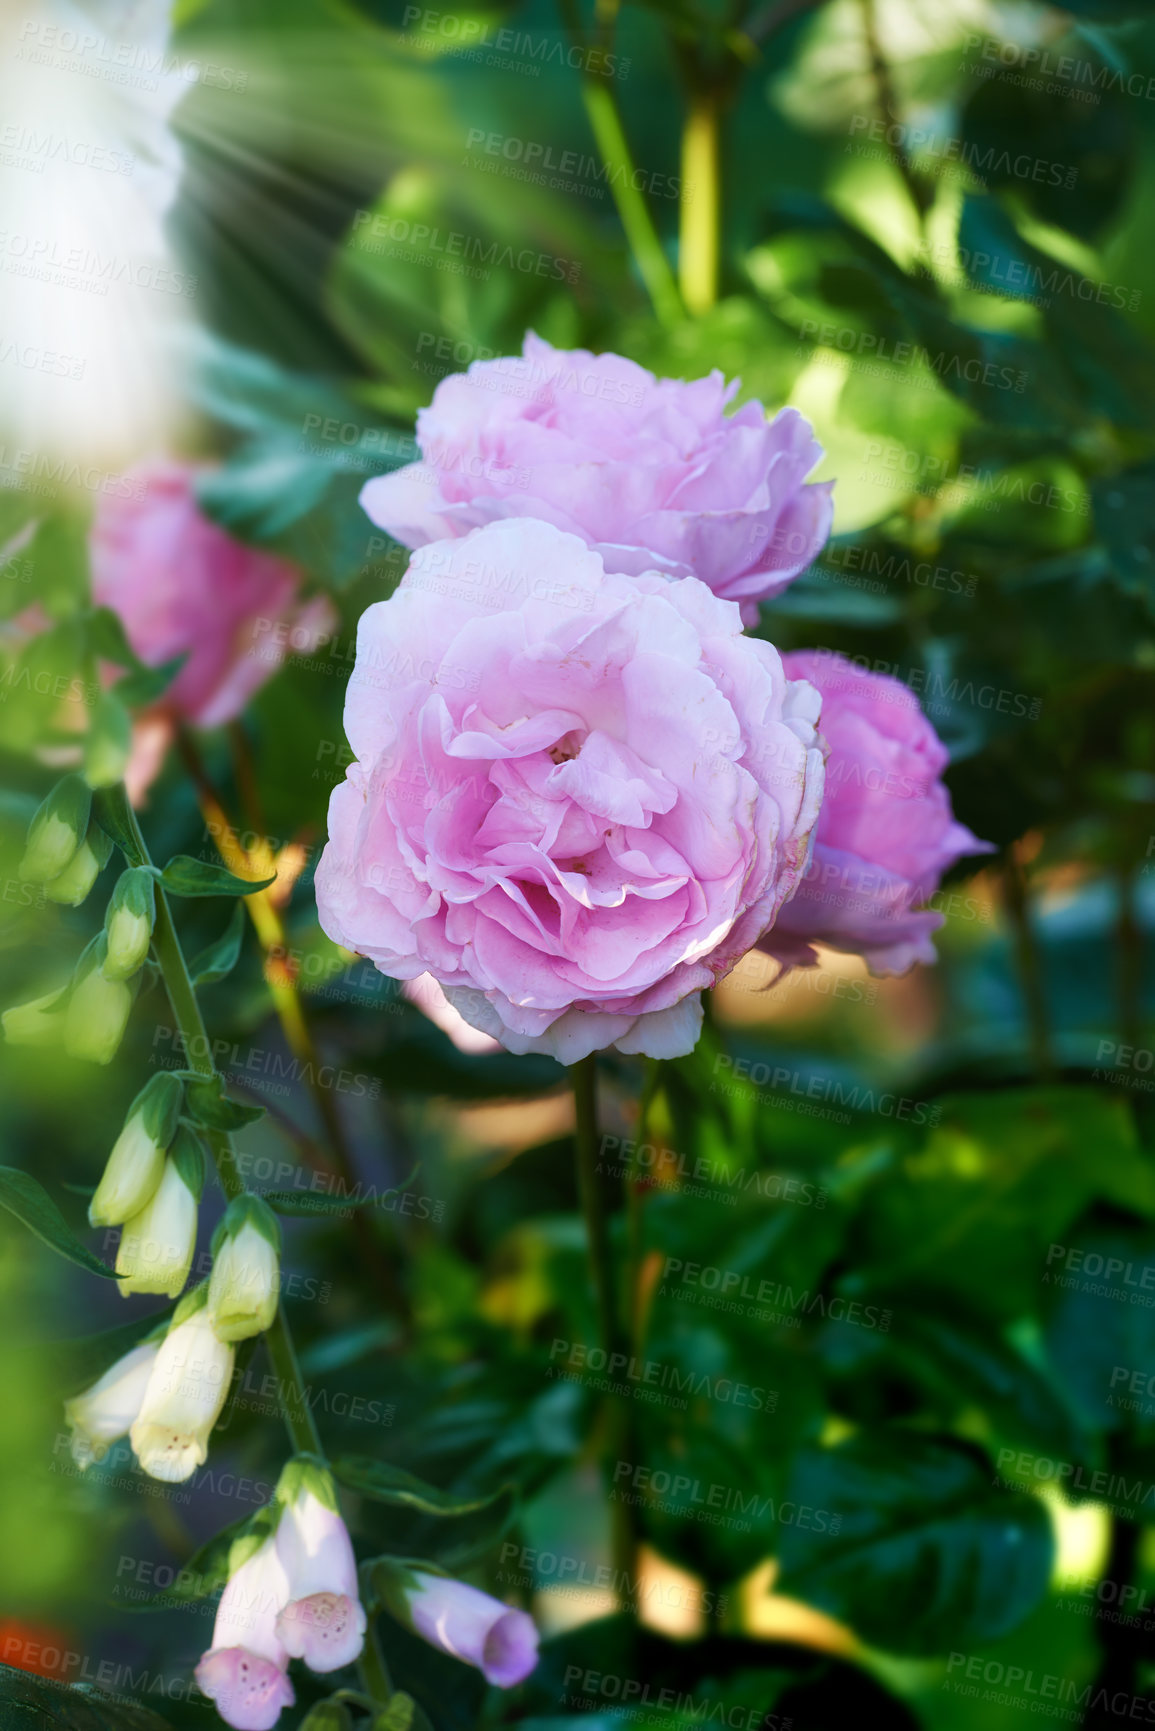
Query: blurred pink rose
x=649 y=472
x=556 y=806
x=886 y=833
x=182 y=586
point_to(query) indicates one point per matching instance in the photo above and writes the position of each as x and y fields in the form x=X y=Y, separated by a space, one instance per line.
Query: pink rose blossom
x=651 y=473
x=182 y=586
x=886 y=833
x=578 y=797
x=244 y=1672
x=322 y=1620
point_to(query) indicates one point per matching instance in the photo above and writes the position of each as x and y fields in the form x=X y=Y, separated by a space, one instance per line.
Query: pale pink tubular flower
x=886 y=832
x=183 y=586
x=322 y=1621
x=244 y=1672
x=479 y=1630
x=651 y=473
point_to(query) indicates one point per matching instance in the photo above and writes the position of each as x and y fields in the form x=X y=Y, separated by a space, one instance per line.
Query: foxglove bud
x=246 y=1276
x=102 y=1414
x=462 y=1620
x=128 y=923
x=323 y=1621
x=98 y=1009
x=136 y=1163
x=57 y=830
x=186 y=1390
x=36 y=1023
x=109 y=743
x=156 y=1245
x=74 y=882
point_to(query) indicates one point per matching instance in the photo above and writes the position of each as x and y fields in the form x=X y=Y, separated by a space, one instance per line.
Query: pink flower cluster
x=580 y=791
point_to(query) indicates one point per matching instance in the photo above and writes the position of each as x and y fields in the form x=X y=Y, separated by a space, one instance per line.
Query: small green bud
x=327 y=1716
x=98 y=1009
x=57 y=830
x=306 y=1475
x=245 y=1283
x=128 y=923
x=109 y=742
x=136 y=1163
x=82 y=870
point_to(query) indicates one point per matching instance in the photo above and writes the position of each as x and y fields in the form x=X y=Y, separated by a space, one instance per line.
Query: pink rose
x=183 y=587
x=649 y=472
x=886 y=833
x=577 y=799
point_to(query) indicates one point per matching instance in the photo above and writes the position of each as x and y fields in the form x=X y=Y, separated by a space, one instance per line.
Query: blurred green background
x=936 y=1195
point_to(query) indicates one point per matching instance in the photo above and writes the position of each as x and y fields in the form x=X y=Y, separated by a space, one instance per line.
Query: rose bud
x=323 y=1622
x=156 y=1246
x=128 y=923
x=72 y=885
x=246 y=1277
x=186 y=1392
x=136 y=1164
x=462 y=1620
x=57 y=830
x=244 y=1671
x=103 y=1413
x=98 y=1008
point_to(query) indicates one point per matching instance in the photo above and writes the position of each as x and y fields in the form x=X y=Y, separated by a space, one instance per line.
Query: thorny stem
x=888 y=103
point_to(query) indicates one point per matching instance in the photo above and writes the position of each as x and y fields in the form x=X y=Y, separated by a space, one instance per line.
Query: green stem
x=190 y=1025
x=614 y=1339
x=700 y=207
x=374 y=1670
x=1129 y=941
x=610 y=136
x=1029 y=963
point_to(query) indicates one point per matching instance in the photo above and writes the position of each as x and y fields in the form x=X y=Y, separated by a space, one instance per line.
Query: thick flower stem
x=700 y=209
x=195 y=1042
x=614 y=1340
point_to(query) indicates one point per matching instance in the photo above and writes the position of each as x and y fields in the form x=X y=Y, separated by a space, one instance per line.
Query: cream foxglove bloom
x=323 y=1622
x=136 y=1163
x=186 y=1391
x=98 y=1009
x=103 y=1413
x=244 y=1670
x=462 y=1620
x=246 y=1277
x=156 y=1246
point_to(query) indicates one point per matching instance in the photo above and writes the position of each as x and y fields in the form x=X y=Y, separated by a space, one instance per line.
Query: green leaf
x=77 y=1364
x=929 y=1552
x=398 y=1715
x=208 y=1103
x=309 y=1202
x=109 y=806
x=393 y=1485
x=1101 y=1330
x=30 y=1703
x=219 y=959
x=185 y=876
x=23 y=1196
